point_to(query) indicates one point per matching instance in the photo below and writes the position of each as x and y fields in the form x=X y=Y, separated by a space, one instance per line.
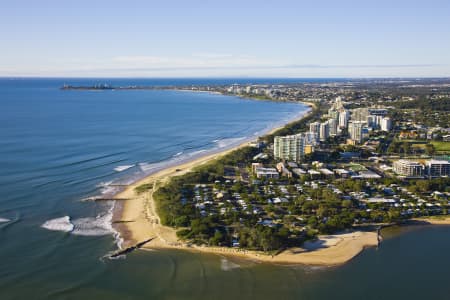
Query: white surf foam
x=227 y=265
x=123 y=168
x=95 y=226
x=104 y=184
x=148 y=168
x=91 y=226
x=91 y=198
x=59 y=224
x=196 y=152
x=106 y=189
x=229 y=142
x=4 y=220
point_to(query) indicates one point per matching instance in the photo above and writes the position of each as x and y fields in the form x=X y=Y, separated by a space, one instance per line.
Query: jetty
x=131 y=249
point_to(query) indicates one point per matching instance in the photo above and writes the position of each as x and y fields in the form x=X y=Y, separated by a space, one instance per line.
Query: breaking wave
x=123 y=168
x=226 y=265
x=106 y=188
x=89 y=226
x=59 y=224
x=223 y=143
x=97 y=226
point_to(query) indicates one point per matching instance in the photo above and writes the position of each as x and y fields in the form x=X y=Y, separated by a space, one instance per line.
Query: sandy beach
x=135 y=217
x=137 y=221
x=435 y=220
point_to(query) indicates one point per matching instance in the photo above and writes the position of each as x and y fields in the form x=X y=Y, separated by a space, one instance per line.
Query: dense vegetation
x=424 y=104
x=260 y=224
x=296 y=127
x=176 y=212
x=429 y=112
x=168 y=197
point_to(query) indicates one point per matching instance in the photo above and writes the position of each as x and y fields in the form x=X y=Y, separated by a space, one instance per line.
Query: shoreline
x=433 y=220
x=135 y=220
x=137 y=223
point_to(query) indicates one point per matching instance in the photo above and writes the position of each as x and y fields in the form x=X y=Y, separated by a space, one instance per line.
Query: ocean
x=59 y=149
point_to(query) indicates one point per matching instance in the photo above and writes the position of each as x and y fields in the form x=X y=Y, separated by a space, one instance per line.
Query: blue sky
x=169 y=38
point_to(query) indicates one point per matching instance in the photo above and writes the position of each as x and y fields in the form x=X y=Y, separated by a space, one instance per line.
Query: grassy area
x=418 y=146
x=441 y=146
x=356 y=167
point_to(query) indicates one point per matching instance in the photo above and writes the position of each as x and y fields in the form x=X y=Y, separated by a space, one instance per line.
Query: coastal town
x=359 y=160
x=225 y=150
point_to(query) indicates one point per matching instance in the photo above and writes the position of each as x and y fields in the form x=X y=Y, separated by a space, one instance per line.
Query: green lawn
x=356 y=167
x=441 y=146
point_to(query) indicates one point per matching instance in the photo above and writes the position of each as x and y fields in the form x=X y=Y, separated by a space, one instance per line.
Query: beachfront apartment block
x=289 y=147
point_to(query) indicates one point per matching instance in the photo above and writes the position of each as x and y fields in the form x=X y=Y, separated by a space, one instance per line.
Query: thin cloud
x=294 y=66
x=190 y=65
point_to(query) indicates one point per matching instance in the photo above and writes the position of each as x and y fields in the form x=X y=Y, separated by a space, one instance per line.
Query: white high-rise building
x=324 y=131
x=311 y=138
x=344 y=116
x=333 y=126
x=314 y=127
x=386 y=124
x=338 y=103
x=355 y=130
x=289 y=147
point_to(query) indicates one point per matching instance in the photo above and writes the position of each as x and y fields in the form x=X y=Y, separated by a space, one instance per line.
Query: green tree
x=429 y=149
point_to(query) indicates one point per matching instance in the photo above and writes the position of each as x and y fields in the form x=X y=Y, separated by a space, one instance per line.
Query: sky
x=245 y=38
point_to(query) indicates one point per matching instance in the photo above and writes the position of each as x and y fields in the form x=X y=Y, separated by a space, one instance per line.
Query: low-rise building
x=326 y=172
x=266 y=173
x=408 y=168
x=283 y=170
x=437 y=168
x=298 y=171
x=341 y=172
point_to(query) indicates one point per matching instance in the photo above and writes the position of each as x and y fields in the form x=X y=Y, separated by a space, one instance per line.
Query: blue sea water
x=58 y=148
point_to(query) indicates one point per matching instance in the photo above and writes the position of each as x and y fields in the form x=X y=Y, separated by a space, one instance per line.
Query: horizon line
x=215 y=77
